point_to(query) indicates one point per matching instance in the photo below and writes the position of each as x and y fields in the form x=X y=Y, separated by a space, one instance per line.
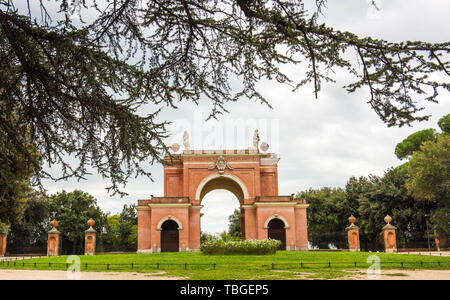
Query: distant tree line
x=369 y=199
x=72 y=210
x=415 y=194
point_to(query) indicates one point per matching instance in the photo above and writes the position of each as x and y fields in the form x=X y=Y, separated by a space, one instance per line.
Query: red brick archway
x=251 y=176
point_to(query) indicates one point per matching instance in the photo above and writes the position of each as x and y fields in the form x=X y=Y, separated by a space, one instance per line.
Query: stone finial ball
x=175 y=147
x=352 y=219
x=91 y=222
x=54 y=223
x=388 y=219
x=264 y=146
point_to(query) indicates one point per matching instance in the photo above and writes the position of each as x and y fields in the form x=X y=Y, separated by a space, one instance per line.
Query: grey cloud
x=322 y=142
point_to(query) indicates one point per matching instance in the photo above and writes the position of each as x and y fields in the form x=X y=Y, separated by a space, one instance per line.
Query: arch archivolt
x=276 y=216
x=168 y=218
x=227 y=176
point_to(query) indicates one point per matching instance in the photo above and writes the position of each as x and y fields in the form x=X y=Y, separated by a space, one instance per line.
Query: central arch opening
x=221 y=197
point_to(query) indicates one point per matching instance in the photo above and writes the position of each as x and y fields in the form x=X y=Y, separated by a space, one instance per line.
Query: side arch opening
x=170 y=239
x=277 y=231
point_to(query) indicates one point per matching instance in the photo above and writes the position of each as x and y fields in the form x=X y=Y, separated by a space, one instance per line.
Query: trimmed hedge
x=258 y=247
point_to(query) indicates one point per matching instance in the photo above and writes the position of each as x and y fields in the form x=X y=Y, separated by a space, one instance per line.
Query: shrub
x=258 y=247
x=228 y=237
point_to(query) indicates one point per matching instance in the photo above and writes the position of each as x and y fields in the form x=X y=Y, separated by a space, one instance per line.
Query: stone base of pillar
x=354 y=250
x=301 y=248
x=144 y=251
x=153 y=250
x=392 y=250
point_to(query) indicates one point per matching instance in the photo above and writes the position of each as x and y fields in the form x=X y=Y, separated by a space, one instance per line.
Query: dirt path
x=404 y=275
x=62 y=275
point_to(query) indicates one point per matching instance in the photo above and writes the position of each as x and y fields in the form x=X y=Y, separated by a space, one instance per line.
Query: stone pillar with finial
x=90 y=238
x=353 y=235
x=2 y=244
x=53 y=239
x=4 y=229
x=436 y=241
x=389 y=238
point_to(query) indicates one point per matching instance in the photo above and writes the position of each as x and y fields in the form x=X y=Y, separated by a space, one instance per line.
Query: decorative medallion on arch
x=220 y=165
x=250 y=175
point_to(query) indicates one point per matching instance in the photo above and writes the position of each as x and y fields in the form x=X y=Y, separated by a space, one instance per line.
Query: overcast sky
x=321 y=142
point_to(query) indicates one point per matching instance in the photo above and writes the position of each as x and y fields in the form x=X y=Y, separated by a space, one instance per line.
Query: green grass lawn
x=282 y=265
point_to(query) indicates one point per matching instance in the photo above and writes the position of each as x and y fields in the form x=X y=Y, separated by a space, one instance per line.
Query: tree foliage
x=72 y=211
x=327 y=216
x=234 y=223
x=444 y=124
x=30 y=235
x=78 y=86
x=430 y=171
x=369 y=199
x=111 y=236
x=4 y=229
x=387 y=195
x=413 y=142
x=121 y=230
x=16 y=168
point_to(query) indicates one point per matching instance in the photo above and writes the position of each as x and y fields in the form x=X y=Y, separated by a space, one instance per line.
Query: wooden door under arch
x=170 y=239
x=277 y=231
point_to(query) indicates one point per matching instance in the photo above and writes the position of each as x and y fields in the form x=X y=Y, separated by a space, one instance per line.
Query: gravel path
x=405 y=275
x=62 y=275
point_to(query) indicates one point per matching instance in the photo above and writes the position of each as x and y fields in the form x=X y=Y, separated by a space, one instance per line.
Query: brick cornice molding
x=301 y=205
x=275 y=204
x=155 y=205
x=140 y=207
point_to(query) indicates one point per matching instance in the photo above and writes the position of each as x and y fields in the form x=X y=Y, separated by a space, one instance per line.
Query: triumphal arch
x=172 y=222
